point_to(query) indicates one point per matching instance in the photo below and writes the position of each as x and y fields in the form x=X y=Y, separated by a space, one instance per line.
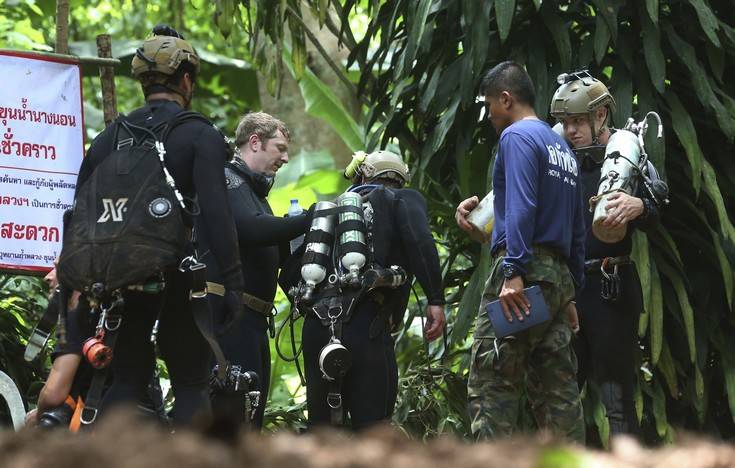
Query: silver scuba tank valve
x=317 y=253
x=351 y=241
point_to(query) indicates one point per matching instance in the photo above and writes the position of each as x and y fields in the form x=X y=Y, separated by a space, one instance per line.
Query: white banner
x=42 y=129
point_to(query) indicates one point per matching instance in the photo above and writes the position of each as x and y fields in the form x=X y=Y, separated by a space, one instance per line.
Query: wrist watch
x=647 y=207
x=510 y=271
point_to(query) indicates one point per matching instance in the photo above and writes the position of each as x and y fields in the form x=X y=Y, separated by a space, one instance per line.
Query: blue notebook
x=539 y=314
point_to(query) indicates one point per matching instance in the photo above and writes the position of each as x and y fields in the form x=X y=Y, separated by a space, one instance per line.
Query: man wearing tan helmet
x=611 y=300
x=194 y=154
x=396 y=243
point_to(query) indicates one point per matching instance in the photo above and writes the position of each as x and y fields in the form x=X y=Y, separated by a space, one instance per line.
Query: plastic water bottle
x=295 y=210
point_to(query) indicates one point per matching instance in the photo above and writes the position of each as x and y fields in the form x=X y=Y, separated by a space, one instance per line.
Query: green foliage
x=420 y=66
x=22 y=301
x=321 y=102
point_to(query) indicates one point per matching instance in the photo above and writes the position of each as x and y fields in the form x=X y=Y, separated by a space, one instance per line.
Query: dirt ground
x=122 y=442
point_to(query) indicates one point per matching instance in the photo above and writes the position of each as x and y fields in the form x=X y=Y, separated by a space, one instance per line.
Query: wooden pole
x=62 y=27
x=107 y=78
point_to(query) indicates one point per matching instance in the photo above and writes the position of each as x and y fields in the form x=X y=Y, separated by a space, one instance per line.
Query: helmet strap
x=595 y=133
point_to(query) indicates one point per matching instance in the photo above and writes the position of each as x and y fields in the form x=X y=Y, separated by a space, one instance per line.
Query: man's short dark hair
x=512 y=77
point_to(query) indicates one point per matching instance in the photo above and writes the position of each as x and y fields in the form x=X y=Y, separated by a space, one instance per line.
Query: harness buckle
x=36 y=343
x=198 y=272
x=88 y=420
x=610 y=285
x=112 y=323
x=334 y=400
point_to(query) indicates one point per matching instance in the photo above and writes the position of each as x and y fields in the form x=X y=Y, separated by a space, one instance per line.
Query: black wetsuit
x=195 y=156
x=262 y=236
x=608 y=329
x=369 y=389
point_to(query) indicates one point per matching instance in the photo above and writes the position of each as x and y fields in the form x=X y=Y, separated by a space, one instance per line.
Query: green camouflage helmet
x=579 y=93
x=387 y=164
x=163 y=55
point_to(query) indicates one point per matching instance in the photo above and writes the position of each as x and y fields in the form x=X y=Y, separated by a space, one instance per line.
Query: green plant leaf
x=599 y=414
x=659 y=409
x=656 y=314
x=666 y=366
x=442 y=128
x=707 y=20
x=478 y=33
x=671 y=250
x=608 y=10
x=641 y=257
x=716 y=57
x=622 y=84
x=418 y=25
x=470 y=303
x=321 y=102
x=654 y=55
x=301 y=164
x=539 y=72
x=685 y=131
x=504 y=11
x=560 y=32
x=728 y=369
x=652 y=9
x=687 y=313
x=602 y=38
x=725 y=267
x=712 y=189
x=705 y=92
x=638 y=397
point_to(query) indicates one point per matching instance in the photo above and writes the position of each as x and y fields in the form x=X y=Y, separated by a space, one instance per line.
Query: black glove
x=310 y=212
x=232 y=310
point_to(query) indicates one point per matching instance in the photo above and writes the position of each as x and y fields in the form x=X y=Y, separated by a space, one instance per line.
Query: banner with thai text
x=42 y=146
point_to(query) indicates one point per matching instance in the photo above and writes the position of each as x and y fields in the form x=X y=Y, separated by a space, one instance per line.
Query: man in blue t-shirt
x=538 y=239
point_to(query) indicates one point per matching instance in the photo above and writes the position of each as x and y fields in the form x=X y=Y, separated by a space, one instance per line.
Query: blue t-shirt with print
x=538 y=196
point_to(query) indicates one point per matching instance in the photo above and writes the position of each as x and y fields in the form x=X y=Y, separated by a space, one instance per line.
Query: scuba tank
x=351 y=244
x=625 y=163
x=316 y=256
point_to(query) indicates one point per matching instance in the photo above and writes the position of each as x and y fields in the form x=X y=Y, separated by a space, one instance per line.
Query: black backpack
x=127 y=224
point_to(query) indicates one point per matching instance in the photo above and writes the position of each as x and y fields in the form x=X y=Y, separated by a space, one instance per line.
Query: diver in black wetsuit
x=166 y=65
x=400 y=236
x=262 y=148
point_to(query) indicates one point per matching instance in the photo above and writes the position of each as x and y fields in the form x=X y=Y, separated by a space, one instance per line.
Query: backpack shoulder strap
x=182 y=117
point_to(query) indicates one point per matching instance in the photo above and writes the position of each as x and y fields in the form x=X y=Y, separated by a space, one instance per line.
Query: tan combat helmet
x=160 y=57
x=378 y=164
x=579 y=93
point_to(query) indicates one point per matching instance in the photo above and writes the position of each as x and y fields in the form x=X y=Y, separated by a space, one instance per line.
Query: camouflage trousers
x=538 y=362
